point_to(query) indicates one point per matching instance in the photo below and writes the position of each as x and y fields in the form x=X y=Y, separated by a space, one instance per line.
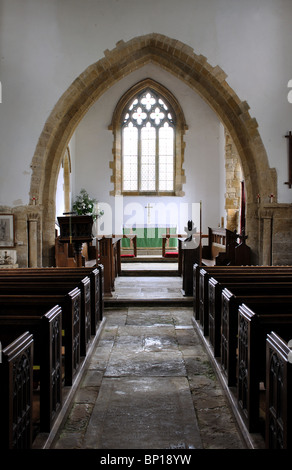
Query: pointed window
x=148 y=135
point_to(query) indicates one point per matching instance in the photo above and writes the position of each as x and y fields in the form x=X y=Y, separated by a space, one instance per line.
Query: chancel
x=122 y=331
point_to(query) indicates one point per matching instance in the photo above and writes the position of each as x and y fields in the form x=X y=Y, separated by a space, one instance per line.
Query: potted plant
x=85 y=205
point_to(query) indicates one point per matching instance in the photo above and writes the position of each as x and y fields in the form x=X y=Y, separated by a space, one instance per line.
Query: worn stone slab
x=142 y=351
x=143 y=413
x=159 y=364
x=155 y=316
x=148 y=287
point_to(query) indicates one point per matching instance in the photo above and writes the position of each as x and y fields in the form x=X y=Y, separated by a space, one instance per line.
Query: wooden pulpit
x=76 y=229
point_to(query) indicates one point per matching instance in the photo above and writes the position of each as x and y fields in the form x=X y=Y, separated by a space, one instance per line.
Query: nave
x=149 y=383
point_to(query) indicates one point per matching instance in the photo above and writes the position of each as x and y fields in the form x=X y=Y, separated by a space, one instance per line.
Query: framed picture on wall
x=6 y=230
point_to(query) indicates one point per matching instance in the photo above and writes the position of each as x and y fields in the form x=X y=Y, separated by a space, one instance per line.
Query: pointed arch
x=178 y=59
x=66 y=163
x=180 y=128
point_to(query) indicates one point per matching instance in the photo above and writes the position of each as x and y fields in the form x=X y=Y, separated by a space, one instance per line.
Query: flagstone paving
x=149 y=385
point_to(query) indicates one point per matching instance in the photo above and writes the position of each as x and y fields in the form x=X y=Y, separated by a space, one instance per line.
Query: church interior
x=145 y=224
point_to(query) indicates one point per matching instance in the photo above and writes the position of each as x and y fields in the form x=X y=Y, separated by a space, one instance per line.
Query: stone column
x=233 y=176
x=267 y=228
x=32 y=240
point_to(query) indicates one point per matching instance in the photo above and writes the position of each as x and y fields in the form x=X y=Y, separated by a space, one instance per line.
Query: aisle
x=149 y=385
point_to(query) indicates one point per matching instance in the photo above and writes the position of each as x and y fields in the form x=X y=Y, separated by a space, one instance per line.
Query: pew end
x=16 y=392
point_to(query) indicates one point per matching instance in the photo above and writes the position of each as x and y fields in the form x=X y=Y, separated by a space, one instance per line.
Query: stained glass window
x=148 y=133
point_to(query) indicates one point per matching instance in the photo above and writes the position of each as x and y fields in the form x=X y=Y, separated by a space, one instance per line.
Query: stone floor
x=149 y=383
x=149 y=288
x=153 y=266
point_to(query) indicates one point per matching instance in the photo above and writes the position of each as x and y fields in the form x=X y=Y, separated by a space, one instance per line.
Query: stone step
x=148 y=272
x=130 y=302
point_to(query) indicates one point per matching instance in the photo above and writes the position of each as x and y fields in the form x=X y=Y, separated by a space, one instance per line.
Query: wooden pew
x=109 y=257
x=46 y=329
x=189 y=258
x=64 y=254
x=217 y=270
x=253 y=327
x=211 y=308
x=100 y=268
x=31 y=280
x=207 y=294
x=229 y=323
x=267 y=305
x=216 y=244
x=76 y=275
x=204 y=289
x=165 y=237
x=70 y=304
x=16 y=392
x=278 y=394
x=223 y=249
x=96 y=276
x=178 y=254
x=132 y=241
x=207 y=302
x=92 y=292
x=49 y=285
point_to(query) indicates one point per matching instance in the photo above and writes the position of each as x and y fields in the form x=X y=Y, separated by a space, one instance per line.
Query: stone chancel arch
x=180 y=60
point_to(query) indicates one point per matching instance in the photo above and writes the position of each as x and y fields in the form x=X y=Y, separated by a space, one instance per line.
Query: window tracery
x=148 y=127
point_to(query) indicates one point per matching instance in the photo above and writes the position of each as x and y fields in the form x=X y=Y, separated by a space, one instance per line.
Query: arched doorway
x=178 y=59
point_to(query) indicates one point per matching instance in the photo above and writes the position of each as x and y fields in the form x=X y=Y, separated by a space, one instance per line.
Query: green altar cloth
x=149 y=236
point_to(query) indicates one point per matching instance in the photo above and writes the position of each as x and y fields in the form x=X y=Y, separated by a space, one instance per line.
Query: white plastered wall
x=46 y=44
x=203 y=159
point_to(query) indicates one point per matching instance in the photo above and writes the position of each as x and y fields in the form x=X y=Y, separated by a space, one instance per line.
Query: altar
x=149 y=236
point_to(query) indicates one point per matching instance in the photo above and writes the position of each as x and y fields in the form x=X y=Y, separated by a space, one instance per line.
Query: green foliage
x=85 y=205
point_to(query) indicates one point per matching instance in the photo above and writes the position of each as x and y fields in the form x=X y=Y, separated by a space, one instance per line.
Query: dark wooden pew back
x=212 y=305
x=50 y=285
x=16 y=377
x=229 y=323
x=253 y=329
x=47 y=357
x=278 y=395
x=217 y=271
x=95 y=274
x=71 y=314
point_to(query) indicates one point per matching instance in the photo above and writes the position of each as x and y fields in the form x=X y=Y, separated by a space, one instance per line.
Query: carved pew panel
x=109 y=257
x=235 y=271
x=214 y=302
x=278 y=395
x=95 y=275
x=47 y=285
x=223 y=248
x=229 y=324
x=47 y=358
x=253 y=328
x=209 y=298
x=71 y=313
x=16 y=375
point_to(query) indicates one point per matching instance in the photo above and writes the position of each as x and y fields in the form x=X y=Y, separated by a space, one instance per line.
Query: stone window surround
x=180 y=129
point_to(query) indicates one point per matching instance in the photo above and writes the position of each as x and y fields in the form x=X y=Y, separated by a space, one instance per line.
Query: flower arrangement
x=85 y=205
